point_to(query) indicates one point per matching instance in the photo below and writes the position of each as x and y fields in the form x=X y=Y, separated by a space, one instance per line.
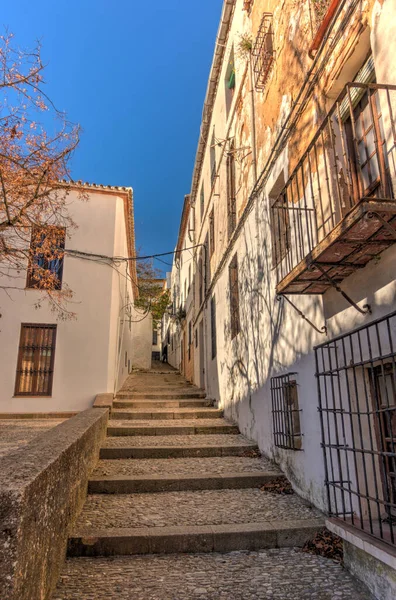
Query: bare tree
x=34 y=176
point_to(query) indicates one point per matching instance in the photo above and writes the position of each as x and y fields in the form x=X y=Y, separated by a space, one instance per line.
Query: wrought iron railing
x=351 y=157
x=356 y=375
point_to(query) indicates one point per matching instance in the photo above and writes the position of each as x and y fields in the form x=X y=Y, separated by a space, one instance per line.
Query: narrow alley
x=177 y=509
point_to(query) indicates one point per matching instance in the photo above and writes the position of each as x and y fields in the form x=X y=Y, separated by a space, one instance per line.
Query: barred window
x=231 y=190
x=285 y=412
x=45 y=268
x=263 y=52
x=155 y=337
x=211 y=233
x=234 y=296
x=213 y=326
x=35 y=366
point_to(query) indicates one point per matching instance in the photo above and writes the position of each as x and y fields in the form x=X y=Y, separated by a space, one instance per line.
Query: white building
x=50 y=366
x=294 y=198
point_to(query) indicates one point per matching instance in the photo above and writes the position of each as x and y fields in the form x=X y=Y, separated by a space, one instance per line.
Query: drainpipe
x=253 y=120
x=323 y=27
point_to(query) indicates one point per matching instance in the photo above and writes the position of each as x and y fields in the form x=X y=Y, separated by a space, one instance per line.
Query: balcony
x=338 y=209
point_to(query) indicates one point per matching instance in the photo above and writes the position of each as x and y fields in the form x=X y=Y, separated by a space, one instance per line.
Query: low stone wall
x=42 y=489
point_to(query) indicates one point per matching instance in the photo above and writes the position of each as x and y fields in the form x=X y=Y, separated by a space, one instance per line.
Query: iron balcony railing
x=351 y=158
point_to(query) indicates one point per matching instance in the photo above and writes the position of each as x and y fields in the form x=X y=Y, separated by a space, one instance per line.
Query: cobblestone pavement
x=15 y=433
x=286 y=574
x=182 y=466
x=177 y=440
x=204 y=507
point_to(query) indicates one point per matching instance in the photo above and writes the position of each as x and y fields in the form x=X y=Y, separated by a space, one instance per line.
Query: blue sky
x=133 y=73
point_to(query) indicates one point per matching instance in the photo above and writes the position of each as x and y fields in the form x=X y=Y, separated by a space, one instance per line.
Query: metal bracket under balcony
x=357 y=239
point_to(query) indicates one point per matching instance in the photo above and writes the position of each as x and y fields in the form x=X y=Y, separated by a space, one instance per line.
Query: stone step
x=278 y=574
x=166 y=414
x=194 y=539
x=177 y=446
x=153 y=404
x=174 y=427
x=168 y=394
x=153 y=467
x=178 y=483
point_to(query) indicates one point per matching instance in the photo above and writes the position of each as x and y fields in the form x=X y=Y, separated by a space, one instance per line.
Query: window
x=285 y=412
x=234 y=296
x=126 y=358
x=155 y=337
x=202 y=201
x=189 y=278
x=213 y=326
x=231 y=191
x=211 y=233
x=196 y=338
x=230 y=81
x=280 y=229
x=201 y=280
x=46 y=253
x=263 y=52
x=185 y=289
x=35 y=364
x=189 y=339
x=356 y=376
x=213 y=167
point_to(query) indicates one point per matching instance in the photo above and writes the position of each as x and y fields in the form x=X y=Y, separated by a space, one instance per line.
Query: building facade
x=178 y=326
x=59 y=366
x=294 y=197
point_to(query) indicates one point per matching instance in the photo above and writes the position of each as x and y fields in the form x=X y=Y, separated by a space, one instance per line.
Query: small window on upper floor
x=263 y=52
x=213 y=166
x=47 y=248
x=202 y=201
x=230 y=81
x=211 y=233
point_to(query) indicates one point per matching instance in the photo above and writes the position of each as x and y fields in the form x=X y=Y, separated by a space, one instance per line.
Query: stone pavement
x=189 y=500
x=15 y=433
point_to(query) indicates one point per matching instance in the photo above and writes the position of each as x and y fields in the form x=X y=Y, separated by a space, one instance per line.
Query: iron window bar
x=285 y=412
x=263 y=52
x=356 y=378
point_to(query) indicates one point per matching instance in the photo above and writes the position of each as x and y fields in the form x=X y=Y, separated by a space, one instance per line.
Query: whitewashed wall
x=87 y=347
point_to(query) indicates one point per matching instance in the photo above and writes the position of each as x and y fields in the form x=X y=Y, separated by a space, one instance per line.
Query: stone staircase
x=175 y=476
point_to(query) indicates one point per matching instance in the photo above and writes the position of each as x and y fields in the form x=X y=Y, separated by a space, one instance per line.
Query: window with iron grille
x=202 y=201
x=35 y=366
x=234 y=296
x=213 y=166
x=263 y=52
x=155 y=337
x=356 y=375
x=213 y=326
x=211 y=233
x=189 y=340
x=231 y=190
x=285 y=412
x=45 y=268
